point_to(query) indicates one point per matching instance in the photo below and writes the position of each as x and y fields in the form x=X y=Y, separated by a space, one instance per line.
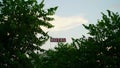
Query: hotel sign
x=57 y=39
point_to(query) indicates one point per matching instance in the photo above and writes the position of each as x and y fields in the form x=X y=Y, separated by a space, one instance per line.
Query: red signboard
x=57 y=39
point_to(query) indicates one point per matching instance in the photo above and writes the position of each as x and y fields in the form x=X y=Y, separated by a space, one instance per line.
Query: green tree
x=106 y=35
x=20 y=23
x=102 y=48
x=61 y=57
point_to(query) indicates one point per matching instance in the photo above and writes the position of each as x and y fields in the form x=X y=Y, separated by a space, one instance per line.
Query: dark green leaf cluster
x=100 y=50
x=62 y=57
x=20 y=23
x=106 y=35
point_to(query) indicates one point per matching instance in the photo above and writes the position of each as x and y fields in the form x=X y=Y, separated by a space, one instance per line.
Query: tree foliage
x=20 y=23
x=100 y=50
x=106 y=35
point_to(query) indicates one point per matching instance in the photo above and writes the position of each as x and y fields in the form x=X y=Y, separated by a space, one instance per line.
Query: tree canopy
x=20 y=23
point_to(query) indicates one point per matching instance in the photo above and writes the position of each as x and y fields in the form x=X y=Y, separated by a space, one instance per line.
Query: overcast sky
x=71 y=14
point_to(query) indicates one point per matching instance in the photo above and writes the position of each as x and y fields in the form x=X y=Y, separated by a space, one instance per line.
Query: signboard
x=57 y=39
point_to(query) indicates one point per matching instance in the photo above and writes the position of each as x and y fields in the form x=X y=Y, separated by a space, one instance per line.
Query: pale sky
x=71 y=14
